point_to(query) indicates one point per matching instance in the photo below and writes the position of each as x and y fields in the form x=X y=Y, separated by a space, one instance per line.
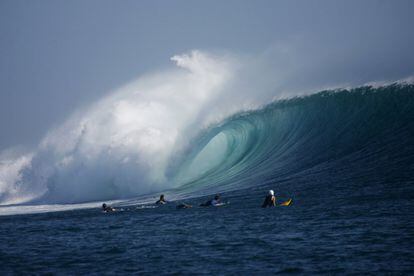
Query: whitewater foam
x=120 y=147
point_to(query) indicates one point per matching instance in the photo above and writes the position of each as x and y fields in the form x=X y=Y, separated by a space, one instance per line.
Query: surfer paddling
x=161 y=200
x=183 y=206
x=213 y=202
x=270 y=200
x=107 y=208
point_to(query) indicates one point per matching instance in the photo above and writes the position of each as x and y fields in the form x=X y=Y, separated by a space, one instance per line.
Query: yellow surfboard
x=286 y=203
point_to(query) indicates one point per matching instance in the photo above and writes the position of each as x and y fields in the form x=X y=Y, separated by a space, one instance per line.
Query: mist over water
x=166 y=130
x=120 y=146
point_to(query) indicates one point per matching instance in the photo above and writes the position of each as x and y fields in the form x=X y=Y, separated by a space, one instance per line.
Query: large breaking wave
x=121 y=146
x=370 y=128
x=198 y=127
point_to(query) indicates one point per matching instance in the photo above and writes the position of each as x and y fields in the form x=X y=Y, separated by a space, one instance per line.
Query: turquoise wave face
x=291 y=136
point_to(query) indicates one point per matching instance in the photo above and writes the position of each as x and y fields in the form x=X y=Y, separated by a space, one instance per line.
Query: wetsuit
x=215 y=202
x=208 y=203
x=183 y=206
x=269 y=201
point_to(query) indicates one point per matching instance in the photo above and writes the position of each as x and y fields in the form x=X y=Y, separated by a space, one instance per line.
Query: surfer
x=107 y=208
x=161 y=200
x=183 y=206
x=270 y=200
x=213 y=202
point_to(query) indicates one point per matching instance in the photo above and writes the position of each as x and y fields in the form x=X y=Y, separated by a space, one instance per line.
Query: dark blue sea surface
x=347 y=229
x=346 y=158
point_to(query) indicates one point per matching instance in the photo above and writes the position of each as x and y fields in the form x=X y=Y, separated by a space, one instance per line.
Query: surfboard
x=221 y=204
x=286 y=203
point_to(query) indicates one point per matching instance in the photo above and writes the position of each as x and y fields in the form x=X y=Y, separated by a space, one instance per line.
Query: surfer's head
x=271 y=193
x=217 y=197
x=104 y=206
x=161 y=197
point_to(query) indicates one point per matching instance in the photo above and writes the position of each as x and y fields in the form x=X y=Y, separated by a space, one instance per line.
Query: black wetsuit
x=268 y=202
x=206 y=204
x=183 y=206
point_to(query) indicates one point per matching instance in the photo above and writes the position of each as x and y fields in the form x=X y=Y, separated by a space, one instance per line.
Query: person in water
x=213 y=202
x=270 y=200
x=161 y=200
x=183 y=206
x=107 y=208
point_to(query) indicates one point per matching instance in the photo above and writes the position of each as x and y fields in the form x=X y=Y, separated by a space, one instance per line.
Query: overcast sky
x=57 y=56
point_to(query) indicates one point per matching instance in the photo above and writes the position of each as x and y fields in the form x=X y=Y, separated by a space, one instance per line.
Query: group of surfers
x=269 y=201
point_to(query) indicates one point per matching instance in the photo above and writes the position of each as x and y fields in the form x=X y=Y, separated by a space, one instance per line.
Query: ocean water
x=346 y=233
x=346 y=158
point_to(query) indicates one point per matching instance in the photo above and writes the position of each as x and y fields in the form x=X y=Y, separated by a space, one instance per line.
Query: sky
x=58 y=56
